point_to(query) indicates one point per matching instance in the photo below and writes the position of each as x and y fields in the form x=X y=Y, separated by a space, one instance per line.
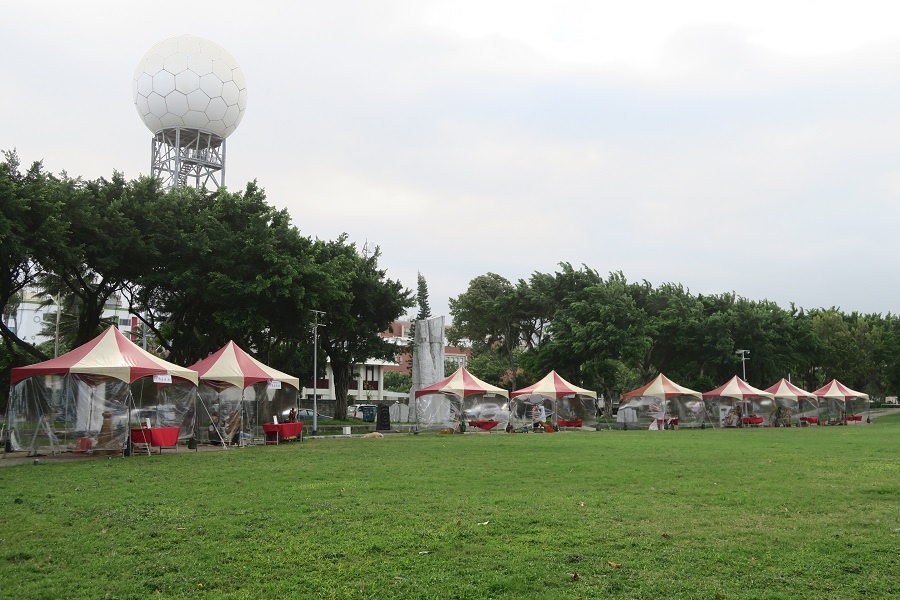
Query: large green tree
x=488 y=317
x=360 y=302
x=235 y=269
x=32 y=222
x=99 y=250
x=601 y=330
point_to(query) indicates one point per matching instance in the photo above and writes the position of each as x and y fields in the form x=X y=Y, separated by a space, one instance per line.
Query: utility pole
x=744 y=359
x=315 y=329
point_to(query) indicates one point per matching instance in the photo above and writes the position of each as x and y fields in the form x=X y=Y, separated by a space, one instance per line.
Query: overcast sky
x=751 y=147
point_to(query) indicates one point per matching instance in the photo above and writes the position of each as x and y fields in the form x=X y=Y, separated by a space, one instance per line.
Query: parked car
x=366 y=412
x=304 y=414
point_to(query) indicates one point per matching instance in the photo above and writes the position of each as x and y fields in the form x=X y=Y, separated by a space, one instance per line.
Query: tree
x=360 y=302
x=422 y=298
x=95 y=254
x=424 y=313
x=236 y=269
x=397 y=381
x=487 y=315
x=849 y=348
x=599 y=331
x=32 y=220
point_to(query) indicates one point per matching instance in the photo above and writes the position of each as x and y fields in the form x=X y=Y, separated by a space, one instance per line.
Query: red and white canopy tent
x=791 y=401
x=838 y=400
x=95 y=392
x=230 y=365
x=442 y=403
x=741 y=394
x=463 y=384
x=238 y=391
x=110 y=354
x=785 y=389
x=663 y=398
x=662 y=388
x=554 y=388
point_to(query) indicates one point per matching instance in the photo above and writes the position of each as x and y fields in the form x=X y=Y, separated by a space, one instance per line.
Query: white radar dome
x=192 y=83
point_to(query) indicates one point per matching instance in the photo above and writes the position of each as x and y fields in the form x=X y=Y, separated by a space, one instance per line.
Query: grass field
x=752 y=513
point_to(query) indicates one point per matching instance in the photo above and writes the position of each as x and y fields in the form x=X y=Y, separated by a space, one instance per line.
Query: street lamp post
x=316 y=325
x=743 y=354
x=56 y=336
x=744 y=359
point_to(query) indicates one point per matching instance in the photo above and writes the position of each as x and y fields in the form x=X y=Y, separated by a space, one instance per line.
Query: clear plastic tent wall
x=835 y=410
x=437 y=411
x=89 y=413
x=856 y=406
x=783 y=412
x=831 y=410
x=576 y=408
x=689 y=411
x=768 y=409
x=640 y=411
x=526 y=410
x=807 y=407
x=722 y=412
x=730 y=412
x=780 y=412
x=486 y=406
x=238 y=414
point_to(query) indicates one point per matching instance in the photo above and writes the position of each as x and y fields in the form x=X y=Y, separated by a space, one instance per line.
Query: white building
x=28 y=319
x=366 y=387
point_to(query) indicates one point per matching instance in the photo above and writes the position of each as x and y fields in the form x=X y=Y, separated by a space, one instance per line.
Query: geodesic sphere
x=190 y=82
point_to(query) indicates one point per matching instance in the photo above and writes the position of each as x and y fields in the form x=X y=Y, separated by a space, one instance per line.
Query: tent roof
x=662 y=387
x=553 y=386
x=231 y=365
x=110 y=354
x=836 y=390
x=462 y=384
x=786 y=389
x=738 y=389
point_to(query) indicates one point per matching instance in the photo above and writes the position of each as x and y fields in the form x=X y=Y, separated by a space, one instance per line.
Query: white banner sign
x=274 y=385
x=166 y=378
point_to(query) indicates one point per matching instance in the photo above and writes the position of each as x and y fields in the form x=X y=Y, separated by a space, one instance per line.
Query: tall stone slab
x=427 y=357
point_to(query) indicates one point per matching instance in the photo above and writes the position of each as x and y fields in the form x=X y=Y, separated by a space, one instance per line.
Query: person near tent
x=734 y=418
x=781 y=417
x=292 y=416
x=215 y=432
x=538 y=416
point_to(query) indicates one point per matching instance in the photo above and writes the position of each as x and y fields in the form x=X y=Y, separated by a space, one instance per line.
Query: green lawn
x=750 y=513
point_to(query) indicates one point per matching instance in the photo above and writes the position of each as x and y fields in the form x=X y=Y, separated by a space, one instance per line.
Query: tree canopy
x=612 y=335
x=198 y=268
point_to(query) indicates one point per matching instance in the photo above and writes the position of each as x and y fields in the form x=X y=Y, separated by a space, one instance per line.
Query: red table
x=283 y=431
x=162 y=437
x=854 y=418
x=569 y=423
x=487 y=425
x=810 y=420
x=753 y=420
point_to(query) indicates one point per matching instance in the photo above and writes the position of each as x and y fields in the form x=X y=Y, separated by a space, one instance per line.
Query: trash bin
x=368 y=414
